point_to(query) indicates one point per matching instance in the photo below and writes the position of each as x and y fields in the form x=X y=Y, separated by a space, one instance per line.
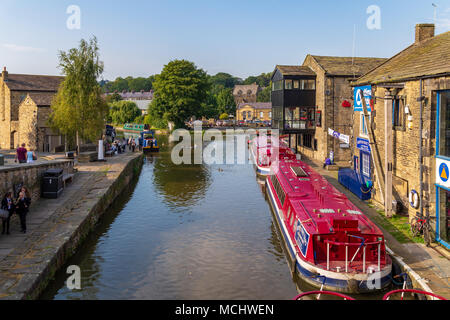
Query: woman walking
x=22 y=208
x=7 y=205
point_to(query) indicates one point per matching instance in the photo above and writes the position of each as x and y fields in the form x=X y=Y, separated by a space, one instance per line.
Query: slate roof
x=27 y=82
x=426 y=58
x=256 y=105
x=295 y=70
x=347 y=66
x=245 y=88
x=42 y=98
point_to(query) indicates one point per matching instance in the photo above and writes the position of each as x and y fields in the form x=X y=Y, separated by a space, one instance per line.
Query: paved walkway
x=50 y=223
x=432 y=266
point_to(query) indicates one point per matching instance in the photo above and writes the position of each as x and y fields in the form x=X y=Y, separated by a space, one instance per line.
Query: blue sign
x=367 y=91
x=443 y=172
x=363 y=145
x=302 y=238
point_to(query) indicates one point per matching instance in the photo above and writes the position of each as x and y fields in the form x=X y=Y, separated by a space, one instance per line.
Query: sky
x=243 y=38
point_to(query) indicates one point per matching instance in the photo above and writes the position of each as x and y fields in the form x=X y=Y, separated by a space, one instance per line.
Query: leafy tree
x=124 y=112
x=179 y=92
x=78 y=109
x=225 y=101
x=264 y=95
x=113 y=97
x=224 y=116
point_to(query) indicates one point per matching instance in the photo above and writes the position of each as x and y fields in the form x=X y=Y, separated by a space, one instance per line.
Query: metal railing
x=362 y=245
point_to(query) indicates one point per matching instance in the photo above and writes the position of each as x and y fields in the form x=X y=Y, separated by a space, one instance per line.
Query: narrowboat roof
x=317 y=203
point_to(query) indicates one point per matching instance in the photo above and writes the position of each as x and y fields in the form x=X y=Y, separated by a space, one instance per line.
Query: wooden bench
x=67 y=178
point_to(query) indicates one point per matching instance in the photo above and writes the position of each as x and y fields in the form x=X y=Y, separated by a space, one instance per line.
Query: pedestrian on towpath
x=21 y=154
x=7 y=205
x=22 y=208
x=133 y=145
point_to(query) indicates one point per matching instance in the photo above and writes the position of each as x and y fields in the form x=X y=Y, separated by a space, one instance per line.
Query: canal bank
x=57 y=227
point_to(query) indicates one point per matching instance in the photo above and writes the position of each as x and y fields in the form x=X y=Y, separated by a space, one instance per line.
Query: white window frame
x=365 y=163
x=362 y=120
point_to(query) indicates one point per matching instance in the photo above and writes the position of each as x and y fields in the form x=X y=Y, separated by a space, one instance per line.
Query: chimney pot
x=4 y=74
x=424 y=31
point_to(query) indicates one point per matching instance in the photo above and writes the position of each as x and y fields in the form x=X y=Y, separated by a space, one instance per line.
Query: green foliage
x=113 y=98
x=128 y=84
x=179 y=93
x=264 y=95
x=263 y=80
x=224 y=116
x=122 y=112
x=78 y=105
x=225 y=101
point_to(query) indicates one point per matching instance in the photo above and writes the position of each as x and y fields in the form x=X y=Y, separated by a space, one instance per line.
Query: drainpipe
x=421 y=150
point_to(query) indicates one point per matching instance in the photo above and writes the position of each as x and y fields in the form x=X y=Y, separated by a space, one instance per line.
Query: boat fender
x=414 y=199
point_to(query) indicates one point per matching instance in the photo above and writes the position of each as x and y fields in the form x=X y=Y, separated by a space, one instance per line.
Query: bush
x=224 y=116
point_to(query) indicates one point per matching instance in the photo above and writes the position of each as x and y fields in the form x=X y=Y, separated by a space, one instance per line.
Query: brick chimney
x=4 y=74
x=424 y=31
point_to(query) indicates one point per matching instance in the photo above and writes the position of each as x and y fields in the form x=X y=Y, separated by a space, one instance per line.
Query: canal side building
x=24 y=109
x=261 y=111
x=408 y=112
x=333 y=101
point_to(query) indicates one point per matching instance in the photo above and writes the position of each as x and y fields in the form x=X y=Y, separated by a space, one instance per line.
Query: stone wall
x=406 y=142
x=30 y=175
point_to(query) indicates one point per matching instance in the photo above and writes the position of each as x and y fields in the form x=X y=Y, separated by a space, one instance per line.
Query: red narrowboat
x=264 y=151
x=331 y=243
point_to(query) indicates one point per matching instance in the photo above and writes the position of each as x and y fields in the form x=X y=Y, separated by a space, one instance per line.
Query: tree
x=224 y=116
x=225 y=101
x=78 y=109
x=124 y=112
x=113 y=97
x=179 y=92
x=264 y=95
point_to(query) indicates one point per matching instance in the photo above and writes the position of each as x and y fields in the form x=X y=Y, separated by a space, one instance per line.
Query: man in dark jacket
x=22 y=208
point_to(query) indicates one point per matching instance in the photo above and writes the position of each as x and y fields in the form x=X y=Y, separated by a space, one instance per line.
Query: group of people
x=25 y=156
x=20 y=205
x=133 y=144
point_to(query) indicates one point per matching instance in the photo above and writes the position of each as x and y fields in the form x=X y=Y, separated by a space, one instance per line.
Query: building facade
x=261 y=111
x=142 y=98
x=333 y=101
x=24 y=109
x=408 y=115
x=246 y=93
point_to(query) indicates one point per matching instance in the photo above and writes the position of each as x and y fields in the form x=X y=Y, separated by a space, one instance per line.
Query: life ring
x=414 y=199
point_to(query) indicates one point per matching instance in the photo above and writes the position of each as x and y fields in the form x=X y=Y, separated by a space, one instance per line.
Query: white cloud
x=17 y=48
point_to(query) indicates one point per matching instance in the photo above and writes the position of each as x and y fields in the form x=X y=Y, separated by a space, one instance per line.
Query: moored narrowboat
x=149 y=142
x=266 y=149
x=331 y=244
x=135 y=128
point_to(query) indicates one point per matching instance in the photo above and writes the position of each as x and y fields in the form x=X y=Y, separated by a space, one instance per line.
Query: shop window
x=444 y=124
x=363 y=128
x=365 y=164
x=444 y=214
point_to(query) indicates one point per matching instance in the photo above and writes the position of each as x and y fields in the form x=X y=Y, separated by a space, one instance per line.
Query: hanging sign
x=367 y=91
x=342 y=137
x=363 y=145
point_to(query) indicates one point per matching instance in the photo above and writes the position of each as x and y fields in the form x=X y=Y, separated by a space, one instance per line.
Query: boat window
x=299 y=172
x=278 y=189
x=291 y=221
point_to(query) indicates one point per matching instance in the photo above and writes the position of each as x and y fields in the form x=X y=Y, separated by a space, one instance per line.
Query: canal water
x=184 y=232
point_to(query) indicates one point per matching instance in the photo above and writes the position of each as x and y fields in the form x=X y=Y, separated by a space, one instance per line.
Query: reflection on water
x=184 y=232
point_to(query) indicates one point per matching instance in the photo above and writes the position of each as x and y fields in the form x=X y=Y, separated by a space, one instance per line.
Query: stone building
x=408 y=158
x=333 y=105
x=254 y=111
x=142 y=98
x=24 y=109
x=246 y=93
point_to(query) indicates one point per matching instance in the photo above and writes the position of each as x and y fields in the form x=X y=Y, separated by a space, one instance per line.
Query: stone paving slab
x=51 y=226
x=431 y=265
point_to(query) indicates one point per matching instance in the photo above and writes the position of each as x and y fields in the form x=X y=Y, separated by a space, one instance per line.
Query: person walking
x=7 y=205
x=31 y=156
x=22 y=208
x=21 y=154
x=133 y=145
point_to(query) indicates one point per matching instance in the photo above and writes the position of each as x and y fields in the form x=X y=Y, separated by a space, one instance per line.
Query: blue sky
x=243 y=38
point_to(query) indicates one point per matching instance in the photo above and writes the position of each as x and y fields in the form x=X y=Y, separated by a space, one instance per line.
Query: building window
x=397 y=118
x=243 y=115
x=308 y=85
x=296 y=84
x=277 y=85
x=270 y=115
x=444 y=124
x=365 y=164
x=363 y=129
x=444 y=214
x=307 y=140
x=261 y=115
x=288 y=84
x=249 y=115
